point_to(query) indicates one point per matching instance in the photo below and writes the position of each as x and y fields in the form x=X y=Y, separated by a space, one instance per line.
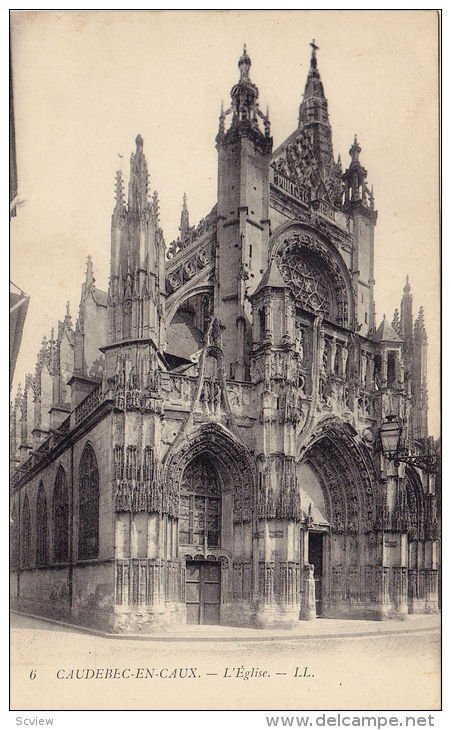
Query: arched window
x=26 y=535
x=14 y=538
x=41 y=527
x=200 y=504
x=60 y=518
x=88 y=505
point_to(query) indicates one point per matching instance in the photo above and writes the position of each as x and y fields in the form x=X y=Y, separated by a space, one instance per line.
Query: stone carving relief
x=298 y=162
x=278 y=495
x=349 y=494
x=137 y=479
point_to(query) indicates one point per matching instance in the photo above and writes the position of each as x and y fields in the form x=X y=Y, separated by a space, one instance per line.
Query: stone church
x=203 y=446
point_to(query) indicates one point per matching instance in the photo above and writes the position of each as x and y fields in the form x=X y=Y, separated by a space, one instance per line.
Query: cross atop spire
x=315 y=48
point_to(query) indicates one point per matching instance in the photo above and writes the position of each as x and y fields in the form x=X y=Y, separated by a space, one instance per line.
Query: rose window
x=308 y=284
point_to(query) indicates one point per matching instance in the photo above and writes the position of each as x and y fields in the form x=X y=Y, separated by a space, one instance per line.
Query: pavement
x=320 y=628
x=320 y=665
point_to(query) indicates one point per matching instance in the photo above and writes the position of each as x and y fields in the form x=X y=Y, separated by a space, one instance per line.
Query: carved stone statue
x=308 y=605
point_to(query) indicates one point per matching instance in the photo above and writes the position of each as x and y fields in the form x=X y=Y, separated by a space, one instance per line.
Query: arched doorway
x=316 y=539
x=212 y=480
x=338 y=532
x=200 y=531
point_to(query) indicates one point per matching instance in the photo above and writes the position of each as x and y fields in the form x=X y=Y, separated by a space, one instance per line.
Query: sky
x=86 y=83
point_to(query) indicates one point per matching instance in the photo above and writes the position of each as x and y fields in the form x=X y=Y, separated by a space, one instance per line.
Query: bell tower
x=244 y=154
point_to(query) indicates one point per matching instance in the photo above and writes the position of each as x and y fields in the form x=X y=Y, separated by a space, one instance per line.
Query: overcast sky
x=86 y=83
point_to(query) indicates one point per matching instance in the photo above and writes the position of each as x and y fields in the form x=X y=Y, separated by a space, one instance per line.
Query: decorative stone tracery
x=317 y=276
x=350 y=495
x=221 y=445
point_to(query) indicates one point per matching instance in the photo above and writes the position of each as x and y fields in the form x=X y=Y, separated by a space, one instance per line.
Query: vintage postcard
x=225 y=340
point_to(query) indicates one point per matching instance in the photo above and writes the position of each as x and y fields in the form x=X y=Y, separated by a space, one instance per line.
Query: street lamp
x=390 y=437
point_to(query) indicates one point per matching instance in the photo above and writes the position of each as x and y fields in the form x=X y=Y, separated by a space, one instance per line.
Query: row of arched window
x=88 y=518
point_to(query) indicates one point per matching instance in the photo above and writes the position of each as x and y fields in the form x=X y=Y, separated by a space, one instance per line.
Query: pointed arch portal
x=338 y=495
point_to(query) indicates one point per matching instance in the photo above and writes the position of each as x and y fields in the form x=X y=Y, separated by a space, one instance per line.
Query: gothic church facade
x=203 y=446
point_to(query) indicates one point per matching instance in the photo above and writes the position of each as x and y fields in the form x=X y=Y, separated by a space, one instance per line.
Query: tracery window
x=317 y=276
x=41 y=527
x=26 y=535
x=200 y=504
x=14 y=538
x=60 y=518
x=88 y=505
x=307 y=282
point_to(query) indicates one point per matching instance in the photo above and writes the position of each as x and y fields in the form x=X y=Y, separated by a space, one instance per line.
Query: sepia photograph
x=225 y=448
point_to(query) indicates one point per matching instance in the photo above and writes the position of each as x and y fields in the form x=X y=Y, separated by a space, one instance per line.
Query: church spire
x=137 y=260
x=313 y=107
x=314 y=118
x=406 y=322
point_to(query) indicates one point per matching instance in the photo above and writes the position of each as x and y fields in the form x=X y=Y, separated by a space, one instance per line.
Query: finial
x=119 y=193
x=184 y=219
x=89 y=272
x=244 y=64
x=222 y=120
x=68 y=309
x=355 y=151
x=407 y=286
x=139 y=143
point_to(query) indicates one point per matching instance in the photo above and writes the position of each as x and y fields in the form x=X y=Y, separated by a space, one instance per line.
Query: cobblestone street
x=208 y=670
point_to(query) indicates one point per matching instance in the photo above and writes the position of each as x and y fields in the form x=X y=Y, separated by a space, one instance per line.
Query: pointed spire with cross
x=314 y=48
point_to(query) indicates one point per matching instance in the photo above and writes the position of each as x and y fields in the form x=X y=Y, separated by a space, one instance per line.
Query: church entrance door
x=315 y=553
x=203 y=591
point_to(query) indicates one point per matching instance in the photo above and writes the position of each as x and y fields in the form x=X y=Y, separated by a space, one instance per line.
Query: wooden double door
x=203 y=592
